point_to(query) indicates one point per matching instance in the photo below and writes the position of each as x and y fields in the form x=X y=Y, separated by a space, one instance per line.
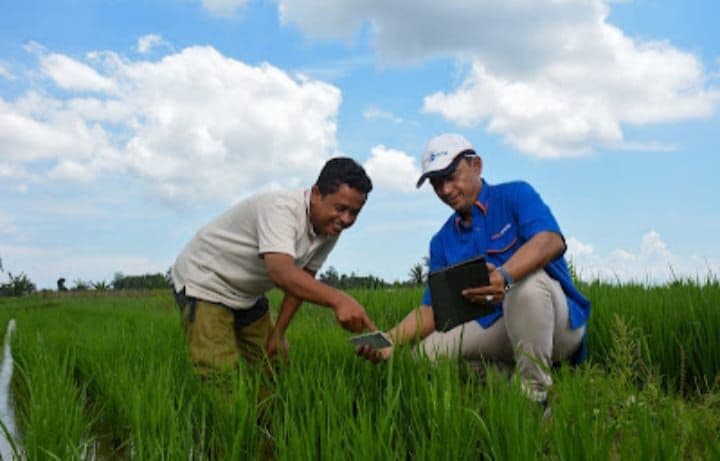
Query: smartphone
x=376 y=340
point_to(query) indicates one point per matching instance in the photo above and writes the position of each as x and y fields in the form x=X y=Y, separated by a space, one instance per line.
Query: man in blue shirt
x=539 y=316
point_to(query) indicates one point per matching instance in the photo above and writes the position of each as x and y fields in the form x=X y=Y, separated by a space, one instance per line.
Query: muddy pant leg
x=251 y=341
x=210 y=333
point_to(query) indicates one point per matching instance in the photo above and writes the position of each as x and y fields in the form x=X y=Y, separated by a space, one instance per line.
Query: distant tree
x=345 y=281
x=330 y=277
x=417 y=274
x=17 y=285
x=101 y=285
x=81 y=285
x=117 y=280
x=140 y=282
x=61 y=284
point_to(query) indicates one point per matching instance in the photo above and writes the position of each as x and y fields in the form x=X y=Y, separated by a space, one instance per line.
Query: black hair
x=342 y=170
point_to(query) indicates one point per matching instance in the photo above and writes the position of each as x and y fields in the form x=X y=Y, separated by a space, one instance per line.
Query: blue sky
x=125 y=126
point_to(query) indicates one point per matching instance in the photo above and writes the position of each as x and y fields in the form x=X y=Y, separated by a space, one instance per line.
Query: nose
x=445 y=187
x=347 y=218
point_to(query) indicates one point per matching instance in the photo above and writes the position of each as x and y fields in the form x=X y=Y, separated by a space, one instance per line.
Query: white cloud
x=374 y=112
x=576 y=248
x=5 y=72
x=39 y=127
x=72 y=171
x=552 y=78
x=223 y=7
x=71 y=74
x=150 y=41
x=392 y=169
x=9 y=171
x=194 y=125
x=652 y=262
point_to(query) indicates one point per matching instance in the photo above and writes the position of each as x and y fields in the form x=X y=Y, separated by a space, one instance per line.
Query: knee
x=427 y=350
x=532 y=292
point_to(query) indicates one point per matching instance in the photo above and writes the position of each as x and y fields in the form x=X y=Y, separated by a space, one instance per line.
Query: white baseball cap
x=442 y=154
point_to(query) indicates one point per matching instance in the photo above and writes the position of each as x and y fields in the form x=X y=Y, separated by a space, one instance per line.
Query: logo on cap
x=435 y=155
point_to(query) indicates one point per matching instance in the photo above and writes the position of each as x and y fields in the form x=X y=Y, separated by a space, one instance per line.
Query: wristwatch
x=506 y=277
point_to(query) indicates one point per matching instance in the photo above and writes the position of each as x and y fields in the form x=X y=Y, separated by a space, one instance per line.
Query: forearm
x=537 y=252
x=299 y=283
x=418 y=324
x=288 y=307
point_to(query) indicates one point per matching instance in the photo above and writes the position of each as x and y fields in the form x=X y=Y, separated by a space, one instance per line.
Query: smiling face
x=332 y=213
x=459 y=189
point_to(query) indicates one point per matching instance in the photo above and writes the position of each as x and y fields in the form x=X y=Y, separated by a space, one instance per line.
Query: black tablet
x=450 y=307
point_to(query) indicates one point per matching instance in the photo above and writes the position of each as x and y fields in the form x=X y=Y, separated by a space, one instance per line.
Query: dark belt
x=241 y=317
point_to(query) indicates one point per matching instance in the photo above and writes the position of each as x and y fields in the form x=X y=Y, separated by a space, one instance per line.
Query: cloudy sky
x=125 y=126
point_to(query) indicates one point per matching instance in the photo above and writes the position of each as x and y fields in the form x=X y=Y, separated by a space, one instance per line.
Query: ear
x=477 y=165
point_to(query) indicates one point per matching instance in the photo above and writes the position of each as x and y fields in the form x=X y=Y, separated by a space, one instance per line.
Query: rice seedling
x=108 y=377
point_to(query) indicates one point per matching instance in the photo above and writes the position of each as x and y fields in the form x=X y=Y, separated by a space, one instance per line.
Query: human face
x=335 y=212
x=459 y=189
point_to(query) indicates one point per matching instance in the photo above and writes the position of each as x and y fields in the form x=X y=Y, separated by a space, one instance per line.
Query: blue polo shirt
x=506 y=216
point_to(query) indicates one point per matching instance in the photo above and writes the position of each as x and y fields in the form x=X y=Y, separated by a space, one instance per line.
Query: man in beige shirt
x=278 y=238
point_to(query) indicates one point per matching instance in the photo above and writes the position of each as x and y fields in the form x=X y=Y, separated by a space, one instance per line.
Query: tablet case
x=376 y=339
x=450 y=307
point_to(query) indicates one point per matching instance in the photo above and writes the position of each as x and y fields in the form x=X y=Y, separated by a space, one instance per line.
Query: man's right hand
x=277 y=343
x=352 y=317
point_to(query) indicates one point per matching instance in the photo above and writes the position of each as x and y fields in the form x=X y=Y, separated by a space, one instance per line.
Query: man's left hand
x=374 y=355
x=490 y=294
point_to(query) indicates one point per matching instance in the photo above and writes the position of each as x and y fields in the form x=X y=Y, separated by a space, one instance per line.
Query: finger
x=356 y=325
x=369 y=323
x=477 y=291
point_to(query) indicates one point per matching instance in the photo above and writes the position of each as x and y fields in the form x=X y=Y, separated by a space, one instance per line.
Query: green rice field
x=106 y=376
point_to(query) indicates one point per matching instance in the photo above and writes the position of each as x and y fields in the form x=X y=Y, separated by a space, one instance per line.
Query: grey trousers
x=533 y=333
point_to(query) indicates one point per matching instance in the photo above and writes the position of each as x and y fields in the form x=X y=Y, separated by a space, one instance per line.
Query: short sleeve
x=321 y=255
x=531 y=213
x=277 y=227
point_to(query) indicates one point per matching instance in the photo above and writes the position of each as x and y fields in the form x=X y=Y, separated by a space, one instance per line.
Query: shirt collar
x=481 y=203
x=310 y=230
x=482 y=200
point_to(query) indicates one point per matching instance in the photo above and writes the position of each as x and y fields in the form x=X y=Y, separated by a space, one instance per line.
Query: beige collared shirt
x=223 y=262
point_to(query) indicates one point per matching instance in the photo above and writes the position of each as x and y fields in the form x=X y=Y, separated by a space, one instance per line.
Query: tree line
x=21 y=285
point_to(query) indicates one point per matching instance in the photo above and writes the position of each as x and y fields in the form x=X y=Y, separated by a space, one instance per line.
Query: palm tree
x=417 y=274
x=101 y=285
